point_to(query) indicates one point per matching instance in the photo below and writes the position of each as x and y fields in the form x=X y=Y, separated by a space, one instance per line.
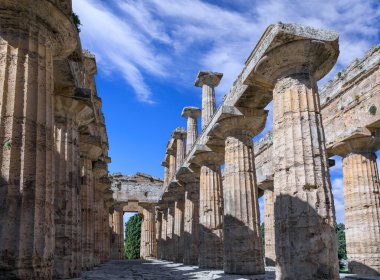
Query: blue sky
x=149 y=52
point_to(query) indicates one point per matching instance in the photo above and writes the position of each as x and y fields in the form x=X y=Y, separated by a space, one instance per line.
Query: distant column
x=179 y=135
x=178 y=227
x=270 y=249
x=192 y=114
x=208 y=81
x=148 y=234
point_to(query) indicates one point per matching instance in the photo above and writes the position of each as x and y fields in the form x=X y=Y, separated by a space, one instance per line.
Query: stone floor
x=162 y=270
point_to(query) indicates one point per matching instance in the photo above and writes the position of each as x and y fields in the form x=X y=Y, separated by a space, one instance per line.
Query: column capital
x=204 y=155
x=208 y=78
x=359 y=141
x=191 y=112
x=187 y=175
x=179 y=133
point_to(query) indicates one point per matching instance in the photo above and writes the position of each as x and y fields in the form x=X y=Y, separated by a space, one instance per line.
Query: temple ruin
x=62 y=213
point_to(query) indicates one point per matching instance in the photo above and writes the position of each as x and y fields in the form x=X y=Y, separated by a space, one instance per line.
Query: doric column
x=192 y=114
x=165 y=164
x=69 y=114
x=118 y=234
x=361 y=202
x=170 y=231
x=159 y=232
x=178 y=227
x=306 y=245
x=164 y=243
x=172 y=165
x=190 y=180
x=30 y=37
x=270 y=250
x=210 y=210
x=148 y=233
x=179 y=135
x=243 y=250
x=208 y=81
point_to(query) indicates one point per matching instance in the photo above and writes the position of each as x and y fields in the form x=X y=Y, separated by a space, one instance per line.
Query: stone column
x=306 y=245
x=208 y=81
x=180 y=135
x=172 y=165
x=159 y=232
x=170 y=231
x=27 y=48
x=166 y=173
x=270 y=250
x=192 y=114
x=118 y=234
x=210 y=211
x=164 y=243
x=178 y=227
x=243 y=251
x=361 y=203
x=191 y=216
x=148 y=233
x=68 y=116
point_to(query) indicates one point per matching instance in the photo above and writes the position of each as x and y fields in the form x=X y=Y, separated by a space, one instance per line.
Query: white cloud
x=338 y=192
x=155 y=37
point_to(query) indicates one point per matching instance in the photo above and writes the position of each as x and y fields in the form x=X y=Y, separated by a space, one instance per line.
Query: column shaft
x=362 y=206
x=208 y=104
x=192 y=133
x=148 y=234
x=164 y=243
x=118 y=235
x=211 y=217
x=159 y=233
x=26 y=155
x=191 y=227
x=172 y=167
x=67 y=259
x=178 y=230
x=243 y=251
x=170 y=232
x=270 y=250
x=180 y=152
x=306 y=246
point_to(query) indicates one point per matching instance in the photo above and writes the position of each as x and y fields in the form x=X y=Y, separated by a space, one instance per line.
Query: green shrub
x=132 y=237
x=342 y=254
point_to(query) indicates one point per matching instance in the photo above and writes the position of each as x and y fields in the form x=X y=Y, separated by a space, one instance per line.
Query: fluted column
x=118 y=234
x=191 y=220
x=148 y=234
x=192 y=114
x=210 y=213
x=243 y=253
x=172 y=166
x=179 y=135
x=178 y=228
x=362 y=209
x=270 y=250
x=159 y=232
x=166 y=173
x=208 y=81
x=164 y=243
x=170 y=231
x=361 y=201
x=27 y=47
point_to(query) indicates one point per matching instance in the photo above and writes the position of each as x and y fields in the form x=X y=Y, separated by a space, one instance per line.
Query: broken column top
x=284 y=46
x=193 y=112
x=179 y=133
x=209 y=78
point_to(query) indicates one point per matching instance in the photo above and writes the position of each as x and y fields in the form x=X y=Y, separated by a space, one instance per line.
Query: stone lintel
x=291 y=47
x=359 y=141
x=191 y=112
x=209 y=78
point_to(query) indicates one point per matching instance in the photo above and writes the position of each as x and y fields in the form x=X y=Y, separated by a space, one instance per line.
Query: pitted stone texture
x=306 y=246
x=269 y=230
x=210 y=216
x=148 y=248
x=243 y=252
x=362 y=206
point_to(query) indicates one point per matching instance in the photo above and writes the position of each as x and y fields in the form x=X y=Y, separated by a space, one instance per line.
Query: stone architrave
x=192 y=114
x=361 y=202
x=179 y=134
x=210 y=209
x=306 y=245
x=243 y=251
x=208 y=80
x=270 y=249
x=190 y=179
x=31 y=36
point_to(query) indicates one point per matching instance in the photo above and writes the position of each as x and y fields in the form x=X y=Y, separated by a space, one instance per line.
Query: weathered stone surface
x=148 y=248
x=269 y=229
x=192 y=114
